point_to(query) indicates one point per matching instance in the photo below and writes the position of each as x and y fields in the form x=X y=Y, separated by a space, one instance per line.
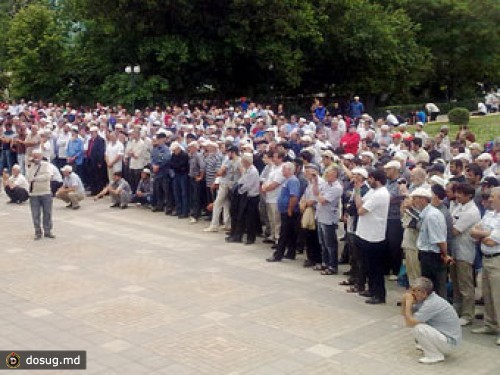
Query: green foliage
x=459 y=116
x=384 y=50
x=35 y=53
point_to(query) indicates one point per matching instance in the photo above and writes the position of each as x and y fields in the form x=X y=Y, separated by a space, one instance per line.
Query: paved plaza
x=148 y=294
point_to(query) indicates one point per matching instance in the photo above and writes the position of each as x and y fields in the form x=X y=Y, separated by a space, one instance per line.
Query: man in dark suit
x=96 y=161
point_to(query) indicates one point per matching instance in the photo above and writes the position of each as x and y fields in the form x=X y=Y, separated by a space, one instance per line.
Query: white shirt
x=112 y=151
x=275 y=176
x=62 y=143
x=19 y=181
x=138 y=148
x=373 y=224
x=73 y=180
x=392 y=119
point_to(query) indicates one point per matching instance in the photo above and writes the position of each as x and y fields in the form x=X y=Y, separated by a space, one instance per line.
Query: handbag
x=308 y=221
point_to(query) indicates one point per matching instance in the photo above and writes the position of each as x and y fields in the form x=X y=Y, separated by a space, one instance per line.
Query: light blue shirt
x=432 y=230
x=328 y=213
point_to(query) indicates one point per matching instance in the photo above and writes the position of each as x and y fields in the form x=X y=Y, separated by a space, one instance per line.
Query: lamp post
x=132 y=71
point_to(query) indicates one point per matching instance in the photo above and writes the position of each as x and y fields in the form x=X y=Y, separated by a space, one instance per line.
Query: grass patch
x=485 y=128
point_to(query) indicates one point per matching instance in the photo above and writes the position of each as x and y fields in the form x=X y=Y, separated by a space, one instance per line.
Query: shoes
x=365 y=293
x=173 y=213
x=274 y=247
x=249 y=242
x=308 y=263
x=393 y=278
x=192 y=220
x=115 y=205
x=267 y=240
x=419 y=347
x=289 y=258
x=182 y=216
x=498 y=339
x=375 y=301
x=210 y=229
x=76 y=207
x=67 y=206
x=233 y=240
x=431 y=360
x=49 y=235
x=485 y=330
x=347 y=273
x=271 y=260
x=124 y=206
x=11 y=202
x=38 y=236
x=156 y=209
x=464 y=322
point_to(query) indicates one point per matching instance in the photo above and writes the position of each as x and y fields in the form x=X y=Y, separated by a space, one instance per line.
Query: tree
x=35 y=53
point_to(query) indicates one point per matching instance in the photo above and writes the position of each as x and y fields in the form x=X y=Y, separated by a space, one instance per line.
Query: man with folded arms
x=488 y=233
x=72 y=190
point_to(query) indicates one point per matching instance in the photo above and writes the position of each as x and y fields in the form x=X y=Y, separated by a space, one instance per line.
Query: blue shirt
x=432 y=230
x=320 y=113
x=357 y=109
x=161 y=156
x=75 y=148
x=290 y=188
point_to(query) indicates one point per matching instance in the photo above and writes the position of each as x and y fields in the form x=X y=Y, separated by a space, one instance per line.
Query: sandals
x=346 y=283
x=352 y=289
x=328 y=272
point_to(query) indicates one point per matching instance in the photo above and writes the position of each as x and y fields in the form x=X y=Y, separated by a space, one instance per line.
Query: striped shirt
x=213 y=163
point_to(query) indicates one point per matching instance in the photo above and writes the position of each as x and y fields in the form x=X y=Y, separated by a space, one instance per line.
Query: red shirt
x=350 y=142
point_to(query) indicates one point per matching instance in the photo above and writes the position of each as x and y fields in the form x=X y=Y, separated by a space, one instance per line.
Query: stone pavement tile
x=36 y=313
x=177 y=369
x=323 y=350
x=132 y=289
x=216 y=315
x=398 y=350
x=116 y=346
x=313 y=321
x=217 y=350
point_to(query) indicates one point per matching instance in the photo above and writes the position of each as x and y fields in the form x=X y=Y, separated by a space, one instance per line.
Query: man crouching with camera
x=435 y=323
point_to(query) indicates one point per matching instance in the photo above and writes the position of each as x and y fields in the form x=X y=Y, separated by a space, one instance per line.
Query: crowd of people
x=411 y=205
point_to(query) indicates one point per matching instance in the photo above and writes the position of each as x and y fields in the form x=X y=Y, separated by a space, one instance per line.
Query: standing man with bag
x=38 y=176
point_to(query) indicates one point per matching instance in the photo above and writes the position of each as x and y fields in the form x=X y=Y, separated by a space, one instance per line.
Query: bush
x=459 y=116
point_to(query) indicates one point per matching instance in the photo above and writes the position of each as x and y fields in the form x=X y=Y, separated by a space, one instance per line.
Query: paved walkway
x=149 y=294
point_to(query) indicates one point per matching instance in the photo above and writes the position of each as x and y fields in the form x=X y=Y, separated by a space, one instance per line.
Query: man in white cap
x=38 y=176
x=432 y=240
x=72 y=190
x=16 y=186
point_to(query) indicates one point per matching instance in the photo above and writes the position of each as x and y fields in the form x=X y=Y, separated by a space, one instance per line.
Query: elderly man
x=434 y=321
x=431 y=241
x=248 y=201
x=72 y=190
x=289 y=210
x=119 y=191
x=180 y=167
x=96 y=161
x=328 y=198
x=16 y=186
x=488 y=233
x=38 y=176
x=196 y=176
x=160 y=159
x=135 y=153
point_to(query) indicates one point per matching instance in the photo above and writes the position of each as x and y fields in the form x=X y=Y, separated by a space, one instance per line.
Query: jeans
x=327 y=235
x=160 y=192
x=180 y=187
x=21 y=160
x=7 y=160
x=41 y=205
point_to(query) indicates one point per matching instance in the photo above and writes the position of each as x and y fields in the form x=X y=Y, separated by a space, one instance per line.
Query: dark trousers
x=288 y=236
x=195 y=195
x=98 y=177
x=144 y=200
x=374 y=254
x=313 y=248
x=17 y=194
x=7 y=160
x=394 y=237
x=180 y=187
x=160 y=191
x=433 y=267
x=327 y=235
x=134 y=178
x=247 y=217
x=54 y=186
x=60 y=162
x=433 y=116
x=357 y=262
